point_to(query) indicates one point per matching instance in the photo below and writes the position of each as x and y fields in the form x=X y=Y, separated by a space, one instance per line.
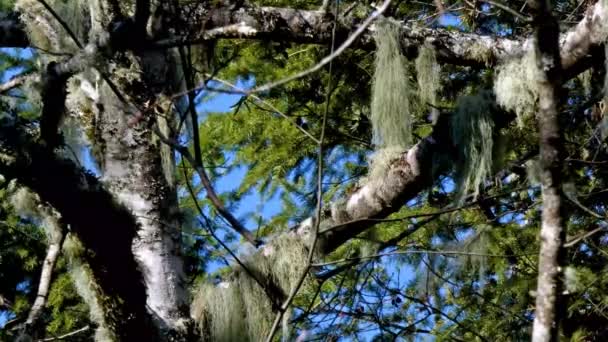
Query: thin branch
x=211 y=194
x=17 y=81
x=416 y=251
x=576 y=239
x=56 y=238
x=270 y=292
x=65 y=336
x=63 y=24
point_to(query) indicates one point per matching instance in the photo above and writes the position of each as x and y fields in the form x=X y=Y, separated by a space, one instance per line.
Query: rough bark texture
x=105 y=227
x=131 y=210
x=286 y=24
x=549 y=299
x=407 y=176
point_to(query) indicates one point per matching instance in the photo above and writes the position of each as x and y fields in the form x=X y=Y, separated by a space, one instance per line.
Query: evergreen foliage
x=465 y=275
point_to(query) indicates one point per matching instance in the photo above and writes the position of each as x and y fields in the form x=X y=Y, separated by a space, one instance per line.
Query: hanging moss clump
x=428 y=76
x=82 y=276
x=390 y=107
x=472 y=135
x=516 y=85
x=238 y=309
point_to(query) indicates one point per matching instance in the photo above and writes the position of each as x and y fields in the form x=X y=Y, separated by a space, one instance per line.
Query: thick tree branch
x=407 y=176
x=106 y=228
x=303 y=26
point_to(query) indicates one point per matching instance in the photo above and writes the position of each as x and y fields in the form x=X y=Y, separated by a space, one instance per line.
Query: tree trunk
x=549 y=299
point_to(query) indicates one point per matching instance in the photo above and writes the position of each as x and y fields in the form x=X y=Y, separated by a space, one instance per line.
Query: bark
x=131 y=211
x=105 y=227
x=407 y=176
x=12 y=32
x=549 y=300
x=305 y=26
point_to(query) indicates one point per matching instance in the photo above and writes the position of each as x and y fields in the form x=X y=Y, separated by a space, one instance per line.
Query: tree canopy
x=382 y=171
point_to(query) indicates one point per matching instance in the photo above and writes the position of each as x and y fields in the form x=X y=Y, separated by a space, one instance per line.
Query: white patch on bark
x=152 y=250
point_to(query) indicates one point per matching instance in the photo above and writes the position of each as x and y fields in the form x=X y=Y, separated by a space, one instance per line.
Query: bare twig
x=572 y=241
x=271 y=293
x=17 y=81
x=415 y=251
x=63 y=24
x=65 y=336
x=211 y=194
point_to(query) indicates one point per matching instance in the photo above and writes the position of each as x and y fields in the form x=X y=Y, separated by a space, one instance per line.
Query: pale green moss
x=239 y=309
x=380 y=162
x=516 y=85
x=472 y=133
x=85 y=286
x=428 y=75
x=45 y=32
x=390 y=107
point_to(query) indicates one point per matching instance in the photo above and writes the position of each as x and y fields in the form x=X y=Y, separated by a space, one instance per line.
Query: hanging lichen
x=45 y=31
x=239 y=309
x=390 y=107
x=428 y=76
x=472 y=134
x=516 y=85
x=87 y=289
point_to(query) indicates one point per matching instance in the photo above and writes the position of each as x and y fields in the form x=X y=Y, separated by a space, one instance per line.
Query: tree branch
x=56 y=235
x=106 y=228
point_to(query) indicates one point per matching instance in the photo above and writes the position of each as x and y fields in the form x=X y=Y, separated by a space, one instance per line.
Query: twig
x=269 y=292
x=17 y=81
x=211 y=194
x=508 y=9
x=63 y=24
x=64 y=336
x=576 y=239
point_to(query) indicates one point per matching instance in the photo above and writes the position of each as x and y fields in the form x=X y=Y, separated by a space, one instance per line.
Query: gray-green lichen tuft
x=390 y=107
x=472 y=134
x=81 y=275
x=45 y=32
x=238 y=309
x=516 y=85
x=428 y=75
